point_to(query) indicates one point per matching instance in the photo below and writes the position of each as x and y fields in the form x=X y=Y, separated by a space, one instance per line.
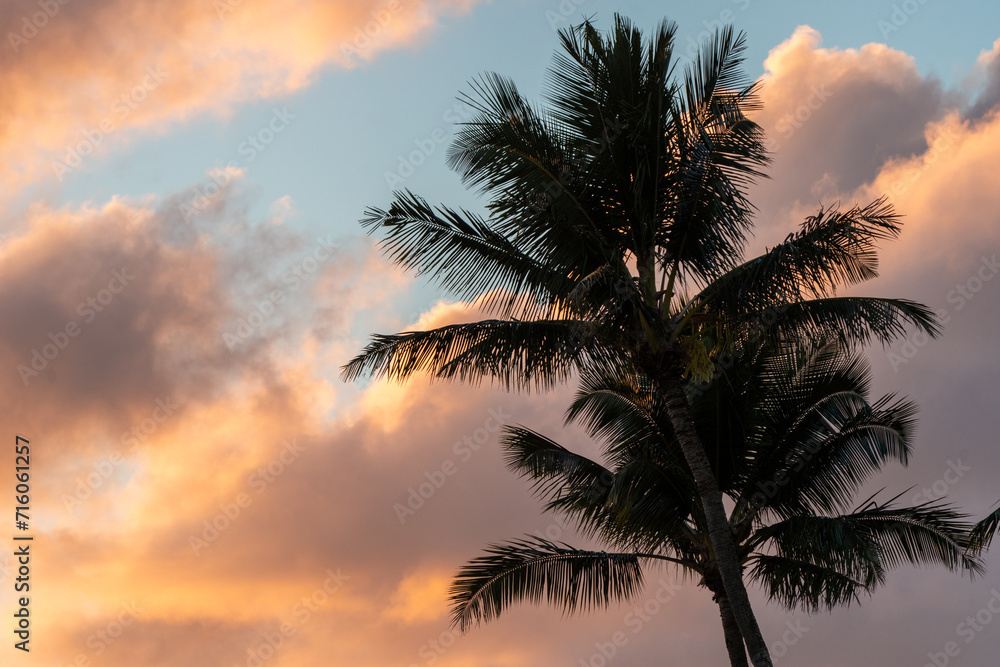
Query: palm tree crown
x=793 y=436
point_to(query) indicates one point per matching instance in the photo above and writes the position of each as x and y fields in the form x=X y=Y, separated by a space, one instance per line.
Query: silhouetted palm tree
x=617 y=221
x=793 y=437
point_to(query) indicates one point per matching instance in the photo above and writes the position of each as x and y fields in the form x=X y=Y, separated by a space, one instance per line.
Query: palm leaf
x=538 y=353
x=853 y=320
x=642 y=504
x=618 y=409
x=807 y=585
x=536 y=570
x=834 y=453
x=517 y=154
x=467 y=257
x=716 y=154
x=826 y=561
x=983 y=532
x=570 y=482
x=831 y=249
x=928 y=534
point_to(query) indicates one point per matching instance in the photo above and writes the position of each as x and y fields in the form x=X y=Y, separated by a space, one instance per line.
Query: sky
x=182 y=274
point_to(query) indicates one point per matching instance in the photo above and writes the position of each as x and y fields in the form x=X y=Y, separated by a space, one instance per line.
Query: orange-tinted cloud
x=833 y=117
x=986 y=77
x=94 y=72
x=192 y=490
x=851 y=125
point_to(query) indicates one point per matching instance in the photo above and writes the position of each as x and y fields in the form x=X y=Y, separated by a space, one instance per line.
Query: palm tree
x=616 y=222
x=793 y=437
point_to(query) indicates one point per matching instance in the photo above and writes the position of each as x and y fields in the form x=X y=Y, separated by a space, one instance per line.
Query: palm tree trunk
x=734 y=640
x=719 y=532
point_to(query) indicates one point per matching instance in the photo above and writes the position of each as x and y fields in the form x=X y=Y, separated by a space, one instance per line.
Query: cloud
x=852 y=125
x=242 y=495
x=833 y=117
x=987 y=76
x=127 y=327
x=421 y=596
x=82 y=78
x=170 y=454
x=269 y=512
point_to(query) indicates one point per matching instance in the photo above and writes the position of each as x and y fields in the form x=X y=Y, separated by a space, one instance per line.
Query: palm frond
x=650 y=506
x=642 y=504
x=832 y=453
x=467 y=257
x=519 y=156
x=536 y=570
x=811 y=435
x=715 y=152
x=557 y=473
x=618 y=409
x=811 y=586
x=932 y=533
x=535 y=354
x=826 y=561
x=831 y=249
x=852 y=320
x=983 y=532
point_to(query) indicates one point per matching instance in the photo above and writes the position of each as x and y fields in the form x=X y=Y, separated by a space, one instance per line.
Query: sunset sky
x=182 y=274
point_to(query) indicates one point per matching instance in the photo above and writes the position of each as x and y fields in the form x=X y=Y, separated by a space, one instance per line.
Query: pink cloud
x=96 y=72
